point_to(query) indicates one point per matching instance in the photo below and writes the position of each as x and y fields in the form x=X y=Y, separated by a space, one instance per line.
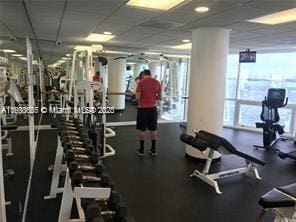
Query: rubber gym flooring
x=156 y=189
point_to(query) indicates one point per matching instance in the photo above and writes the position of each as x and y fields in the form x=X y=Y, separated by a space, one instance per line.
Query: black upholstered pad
x=291 y=155
x=290 y=189
x=274 y=199
x=194 y=142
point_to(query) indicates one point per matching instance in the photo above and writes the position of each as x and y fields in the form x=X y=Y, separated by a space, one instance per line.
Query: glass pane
x=270 y=70
x=173 y=109
x=250 y=114
x=229 y=109
x=231 y=76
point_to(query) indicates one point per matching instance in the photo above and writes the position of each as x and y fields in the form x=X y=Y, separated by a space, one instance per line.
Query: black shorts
x=147 y=118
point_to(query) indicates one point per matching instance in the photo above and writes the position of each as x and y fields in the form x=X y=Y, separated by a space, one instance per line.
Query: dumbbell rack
x=77 y=193
x=70 y=192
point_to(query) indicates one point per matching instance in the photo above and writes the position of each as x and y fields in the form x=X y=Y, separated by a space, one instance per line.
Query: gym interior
x=69 y=97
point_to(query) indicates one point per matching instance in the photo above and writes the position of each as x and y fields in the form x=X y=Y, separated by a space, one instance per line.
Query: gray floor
x=156 y=189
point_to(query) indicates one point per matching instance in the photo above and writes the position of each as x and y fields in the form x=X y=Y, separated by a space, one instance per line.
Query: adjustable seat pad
x=290 y=189
x=274 y=199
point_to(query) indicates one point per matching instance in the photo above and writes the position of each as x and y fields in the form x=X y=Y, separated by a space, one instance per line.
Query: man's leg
x=153 y=131
x=141 y=135
x=153 y=141
x=141 y=126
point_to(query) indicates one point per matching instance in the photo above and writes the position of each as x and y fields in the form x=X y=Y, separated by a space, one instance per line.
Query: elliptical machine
x=276 y=98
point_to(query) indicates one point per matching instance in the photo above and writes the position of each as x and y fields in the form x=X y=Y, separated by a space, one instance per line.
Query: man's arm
x=159 y=93
x=138 y=95
x=138 y=91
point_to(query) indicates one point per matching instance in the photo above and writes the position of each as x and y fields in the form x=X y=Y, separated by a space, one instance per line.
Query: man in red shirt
x=97 y=77
x=148 y=92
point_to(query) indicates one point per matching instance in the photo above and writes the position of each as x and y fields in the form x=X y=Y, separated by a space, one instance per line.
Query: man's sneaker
x=140 y=152
x=153 y=152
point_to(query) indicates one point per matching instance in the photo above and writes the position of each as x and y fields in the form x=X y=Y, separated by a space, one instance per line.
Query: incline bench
x=204 y=140
x=282 y=201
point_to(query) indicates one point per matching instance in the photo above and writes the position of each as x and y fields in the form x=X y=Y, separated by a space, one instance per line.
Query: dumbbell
x=82 y=134
x=81 y=149
x=93 y=210
x=98 y=169
x=78 y=177
x=77 y=140
x=115 y=197
x=70 y=156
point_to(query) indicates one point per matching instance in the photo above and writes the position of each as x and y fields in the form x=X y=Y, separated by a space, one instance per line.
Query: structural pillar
x=117 y=83
x=155 y=69
x=207 y=83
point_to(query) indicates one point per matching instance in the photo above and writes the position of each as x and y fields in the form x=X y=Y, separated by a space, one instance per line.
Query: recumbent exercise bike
x=276 y=98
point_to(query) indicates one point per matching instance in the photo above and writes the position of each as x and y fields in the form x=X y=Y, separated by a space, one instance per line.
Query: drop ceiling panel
x=104 y=7
x=113 y=27
x=239 y=14
x=146 y=30
x=273 y=6
x=136 y=13
x=131 y=36
x=45 y=8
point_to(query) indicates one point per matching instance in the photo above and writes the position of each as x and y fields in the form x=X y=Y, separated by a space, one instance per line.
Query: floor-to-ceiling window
x=247 y=85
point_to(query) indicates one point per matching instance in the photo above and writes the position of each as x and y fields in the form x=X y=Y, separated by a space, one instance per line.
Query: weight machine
x=270 y=116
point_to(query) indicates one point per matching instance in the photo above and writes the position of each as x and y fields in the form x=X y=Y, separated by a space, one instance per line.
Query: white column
x=155 y=69
x=138 y=69
x=207 y=82
x=117 y=83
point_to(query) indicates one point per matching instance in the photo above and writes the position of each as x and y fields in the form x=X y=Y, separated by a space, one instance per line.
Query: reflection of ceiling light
x=17 y=55
x=152 y=53
x=82 y=47
x=23 y=58
x=201 y=9
x=68 y=55
x=131 y=63
x=99 y=37
x=60 y=62
x=183 y=46
x=155 y=4
x=116 y=52
x=64 y=58
x=178 y=56
x=107 y=33
x=8 y=50
x=277 y=18
x=185 y=40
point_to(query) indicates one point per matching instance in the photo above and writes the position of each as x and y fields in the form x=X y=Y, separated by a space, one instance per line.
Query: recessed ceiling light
x=107 y=33
x=82 y=47
x=201 y=9
x=185 y=40
x=183 y=46
x=155 y=4
x=64 y=58
x=68 y=55
x=99 y=37
x=23 y=58
x=8 y=50
x=277 y=18
x=17 y=55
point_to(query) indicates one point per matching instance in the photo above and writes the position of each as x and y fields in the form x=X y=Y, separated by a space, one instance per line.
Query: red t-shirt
x=97 y=78
x=149 y=89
